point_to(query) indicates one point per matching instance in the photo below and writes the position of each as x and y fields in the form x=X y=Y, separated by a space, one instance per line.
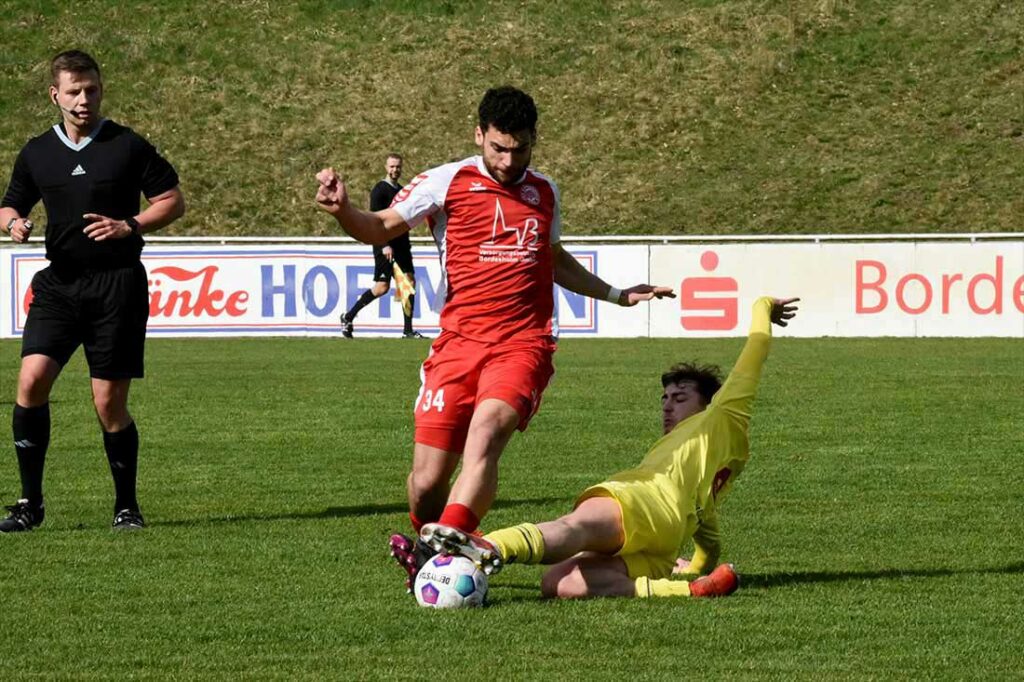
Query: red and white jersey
x=495 y=246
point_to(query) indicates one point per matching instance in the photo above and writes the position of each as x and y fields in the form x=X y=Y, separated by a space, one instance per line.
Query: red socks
x=459 y=516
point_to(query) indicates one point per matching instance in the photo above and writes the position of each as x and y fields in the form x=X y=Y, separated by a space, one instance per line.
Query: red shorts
x=459 y=373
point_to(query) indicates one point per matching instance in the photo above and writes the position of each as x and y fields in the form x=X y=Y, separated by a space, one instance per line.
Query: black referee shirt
x=381 y=196
x=102 y=174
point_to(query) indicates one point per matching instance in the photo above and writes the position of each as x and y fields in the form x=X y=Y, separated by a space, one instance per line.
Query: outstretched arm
x=369 y=227
x=570 y=274
x=738 y=390
x=766 y=311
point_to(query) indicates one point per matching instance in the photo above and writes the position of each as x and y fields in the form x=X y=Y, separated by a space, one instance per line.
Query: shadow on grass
x=513 y=592
x=769 y=580
x=341 y=512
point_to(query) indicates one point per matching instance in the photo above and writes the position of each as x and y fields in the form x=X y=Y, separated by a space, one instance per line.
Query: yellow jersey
x=692 y=467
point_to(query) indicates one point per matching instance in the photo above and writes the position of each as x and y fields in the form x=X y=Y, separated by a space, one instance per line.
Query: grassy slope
x=878 y=527
x=701 y=117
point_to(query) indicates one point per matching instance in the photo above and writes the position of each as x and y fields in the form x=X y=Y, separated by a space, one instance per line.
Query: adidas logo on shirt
x=78 y=170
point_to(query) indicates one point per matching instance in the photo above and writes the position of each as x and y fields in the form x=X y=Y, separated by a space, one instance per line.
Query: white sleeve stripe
x=426 y=193
x=556 y=212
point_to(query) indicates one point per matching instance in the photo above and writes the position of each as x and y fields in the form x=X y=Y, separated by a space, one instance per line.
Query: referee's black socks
x=31 y=427
x=364 y=300
x=123 y=454
x=407 y=321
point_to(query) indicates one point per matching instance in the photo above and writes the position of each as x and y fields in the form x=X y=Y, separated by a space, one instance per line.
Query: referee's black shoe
x=412 y=335
x=23 y=516
x=128 y=519
x=346 y=327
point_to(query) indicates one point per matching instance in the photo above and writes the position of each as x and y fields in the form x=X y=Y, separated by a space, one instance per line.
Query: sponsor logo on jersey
x=499 y=250
x=477 y=187
x=530 y=195
x=78 y=170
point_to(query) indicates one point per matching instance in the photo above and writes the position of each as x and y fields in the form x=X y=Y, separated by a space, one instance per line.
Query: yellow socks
x=645 y=587
x=523 y=543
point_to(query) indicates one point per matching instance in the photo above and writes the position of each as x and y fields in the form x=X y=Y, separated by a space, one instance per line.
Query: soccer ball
x=448 y=581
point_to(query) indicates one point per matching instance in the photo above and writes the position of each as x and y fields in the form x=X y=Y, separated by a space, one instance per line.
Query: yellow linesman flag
x=404 y=289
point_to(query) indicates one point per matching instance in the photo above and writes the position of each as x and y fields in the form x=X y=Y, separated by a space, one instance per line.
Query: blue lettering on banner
x=309 y=291
x=352 y=288
x=577 y=303
x=270 y=290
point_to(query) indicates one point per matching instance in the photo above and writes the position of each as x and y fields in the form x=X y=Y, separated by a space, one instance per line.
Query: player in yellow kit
x=623 y=537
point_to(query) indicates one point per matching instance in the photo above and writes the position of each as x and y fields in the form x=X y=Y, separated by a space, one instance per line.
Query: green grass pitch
x=879 y=527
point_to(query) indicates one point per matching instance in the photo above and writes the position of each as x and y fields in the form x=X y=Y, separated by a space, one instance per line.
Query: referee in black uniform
x=88 y=171
x=398 y=250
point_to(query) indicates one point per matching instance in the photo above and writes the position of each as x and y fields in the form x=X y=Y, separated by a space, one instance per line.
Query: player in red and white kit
x=497 y=227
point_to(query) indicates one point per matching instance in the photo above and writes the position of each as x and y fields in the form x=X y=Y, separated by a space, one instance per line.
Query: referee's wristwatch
x=134 y=224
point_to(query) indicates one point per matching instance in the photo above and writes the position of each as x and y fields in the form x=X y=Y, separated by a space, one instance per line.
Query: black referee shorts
x=105 y=311
x=382 y=267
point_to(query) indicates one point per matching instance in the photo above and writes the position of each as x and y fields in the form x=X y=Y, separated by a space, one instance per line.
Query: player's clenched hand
x=102 y=227
x=20 y=230
x=783 y=310
x=644 y=292
x=332 y=194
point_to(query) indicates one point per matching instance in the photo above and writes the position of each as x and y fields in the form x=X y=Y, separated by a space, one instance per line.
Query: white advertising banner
x=302 y=291
x=865 y=289
x=898 y=288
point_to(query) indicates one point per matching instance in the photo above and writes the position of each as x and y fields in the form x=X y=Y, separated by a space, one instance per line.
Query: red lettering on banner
x=180 y=302
x=27 y=301
x=976 y=289
x=997 y=286
x=901 y=300
x=876 y=286
x=690 y=298
x=947 y=282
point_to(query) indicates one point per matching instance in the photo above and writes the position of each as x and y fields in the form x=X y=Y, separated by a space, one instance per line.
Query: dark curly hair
x=508 y=110
x=707 y=377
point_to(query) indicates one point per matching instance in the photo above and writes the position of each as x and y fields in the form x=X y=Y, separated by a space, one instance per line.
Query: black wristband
x=134 y=224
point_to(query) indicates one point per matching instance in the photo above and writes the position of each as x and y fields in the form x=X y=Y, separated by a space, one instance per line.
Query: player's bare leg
x=494 y=421
x=427 y=487
x=429 y=482
x=594 y=526
x=35 y=380
x=474 y=491
x=588 y=575
x=110 y=397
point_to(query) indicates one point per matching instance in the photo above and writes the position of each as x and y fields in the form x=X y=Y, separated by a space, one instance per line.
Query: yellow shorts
x=652 y=523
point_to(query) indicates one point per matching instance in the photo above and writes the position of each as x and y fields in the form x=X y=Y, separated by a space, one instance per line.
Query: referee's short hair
x=72 y=61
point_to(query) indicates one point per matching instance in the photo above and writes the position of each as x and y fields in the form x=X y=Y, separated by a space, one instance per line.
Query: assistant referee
x=89 y=172
x=398 y=251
